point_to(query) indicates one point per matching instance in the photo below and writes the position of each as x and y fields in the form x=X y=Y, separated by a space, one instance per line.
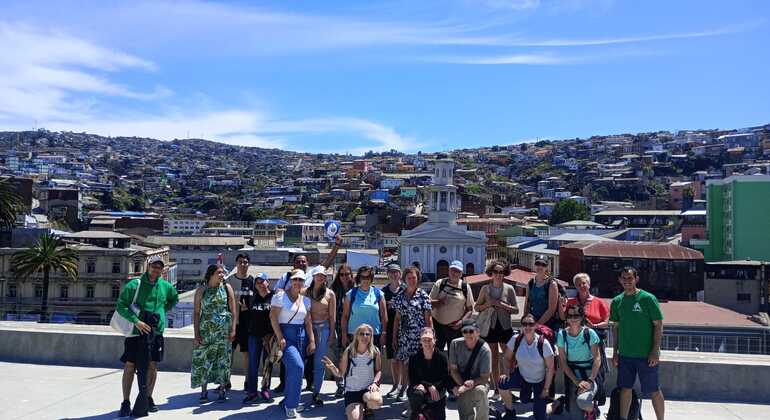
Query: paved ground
x=64 y=392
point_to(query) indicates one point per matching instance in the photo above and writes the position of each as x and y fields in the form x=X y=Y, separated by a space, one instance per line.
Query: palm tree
x=11 y=203
x=49 y=254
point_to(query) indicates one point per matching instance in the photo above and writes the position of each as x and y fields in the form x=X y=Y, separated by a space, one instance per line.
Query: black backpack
x=443 y=285
x=635 y=413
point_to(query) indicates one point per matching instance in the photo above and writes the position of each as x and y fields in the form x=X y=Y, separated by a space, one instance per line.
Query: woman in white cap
x=290 y=317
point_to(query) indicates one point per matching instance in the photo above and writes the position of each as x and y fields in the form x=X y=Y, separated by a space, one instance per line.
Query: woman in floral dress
x=412 y=314
x=214 y=330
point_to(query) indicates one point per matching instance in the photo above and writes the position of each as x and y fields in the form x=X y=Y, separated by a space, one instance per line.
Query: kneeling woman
x=362 y=366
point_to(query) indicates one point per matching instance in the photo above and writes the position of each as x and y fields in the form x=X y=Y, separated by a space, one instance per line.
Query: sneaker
x=291 y=413
x=252 y=398
x=151 y=407
x=402 y=395
x=125 y=409
x=393 y=392
x=317 y=401
x=509 y=415
x=405 y=414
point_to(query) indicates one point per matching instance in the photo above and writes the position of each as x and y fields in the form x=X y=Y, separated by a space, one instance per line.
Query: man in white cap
x=452 y=302
x=144 y=348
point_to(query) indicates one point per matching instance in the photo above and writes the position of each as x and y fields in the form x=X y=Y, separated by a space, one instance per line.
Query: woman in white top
x=362 y=365
x=290 y=317
x=529 y=358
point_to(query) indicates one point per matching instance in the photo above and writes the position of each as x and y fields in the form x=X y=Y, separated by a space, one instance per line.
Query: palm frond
x=11 y=203
x=49 y=253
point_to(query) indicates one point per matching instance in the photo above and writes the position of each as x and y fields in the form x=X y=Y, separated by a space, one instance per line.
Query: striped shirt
x=360 y=373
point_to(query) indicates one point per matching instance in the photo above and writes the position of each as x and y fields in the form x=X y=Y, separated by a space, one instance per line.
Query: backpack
x=555 y=321
x=635 y=413
x=351 y=363
x=443 y=284
x=586 y=339
x=354 y=292
x=520 y=337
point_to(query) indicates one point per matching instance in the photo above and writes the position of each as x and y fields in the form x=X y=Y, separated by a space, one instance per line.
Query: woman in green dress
x=214 y=330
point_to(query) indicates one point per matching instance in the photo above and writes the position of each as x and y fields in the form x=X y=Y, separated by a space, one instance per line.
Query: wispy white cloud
x=511 y=4
x=45 y=74
x=524 y=59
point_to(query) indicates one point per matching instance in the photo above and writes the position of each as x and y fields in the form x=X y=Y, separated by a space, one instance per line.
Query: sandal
x=204 y=398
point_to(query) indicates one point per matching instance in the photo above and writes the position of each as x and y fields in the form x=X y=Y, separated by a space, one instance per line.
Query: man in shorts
x=638 y=329
x=156 y=296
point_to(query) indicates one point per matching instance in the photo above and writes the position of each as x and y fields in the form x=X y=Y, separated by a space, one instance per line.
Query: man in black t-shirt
x=243 y=288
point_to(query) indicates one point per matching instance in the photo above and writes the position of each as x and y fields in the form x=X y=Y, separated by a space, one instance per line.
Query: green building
x=738 y=219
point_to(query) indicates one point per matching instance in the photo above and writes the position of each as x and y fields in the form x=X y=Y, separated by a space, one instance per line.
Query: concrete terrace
x=66 y=392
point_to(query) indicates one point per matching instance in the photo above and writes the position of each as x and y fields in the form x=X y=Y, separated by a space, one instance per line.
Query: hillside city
x=685 y=208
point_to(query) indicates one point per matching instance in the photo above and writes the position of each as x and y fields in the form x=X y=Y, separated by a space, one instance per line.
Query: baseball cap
x=470 y=323
x=457 y=265
x=262 y=277
x=394 y=267
x=319 y=269
x=541 y=259
x=297 y=274
x=155 y=259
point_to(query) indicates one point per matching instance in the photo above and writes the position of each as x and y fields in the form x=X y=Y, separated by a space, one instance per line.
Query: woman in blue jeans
x=529 y=359
x=259 y=328
x=323 y=313
x=290 y=317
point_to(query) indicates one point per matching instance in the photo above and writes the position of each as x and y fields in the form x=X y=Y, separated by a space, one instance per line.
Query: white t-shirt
x=361 y=373
x=288 y=308
x=531 y=365
x=283 y=281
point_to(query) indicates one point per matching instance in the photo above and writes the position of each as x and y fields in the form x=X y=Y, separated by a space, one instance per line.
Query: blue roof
x=127 y=213
x=271 y=222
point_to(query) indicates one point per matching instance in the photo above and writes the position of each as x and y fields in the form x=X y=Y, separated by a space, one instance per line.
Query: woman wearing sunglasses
x=499 y=300
x=529 y=359
x=361 y=368
x=579 y=355
x=364 y=304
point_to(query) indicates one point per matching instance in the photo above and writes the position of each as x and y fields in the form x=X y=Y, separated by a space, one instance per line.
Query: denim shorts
x=630 y=367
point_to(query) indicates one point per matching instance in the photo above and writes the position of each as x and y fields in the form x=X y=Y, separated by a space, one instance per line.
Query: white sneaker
x=290 y=413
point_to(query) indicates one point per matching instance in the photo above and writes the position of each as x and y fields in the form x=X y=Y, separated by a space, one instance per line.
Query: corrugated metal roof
x=625 y=249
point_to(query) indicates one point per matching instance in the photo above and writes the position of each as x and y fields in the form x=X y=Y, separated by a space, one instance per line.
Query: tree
x=252 y=214
x=49 y=254
x=11 y=204
x=566 y=210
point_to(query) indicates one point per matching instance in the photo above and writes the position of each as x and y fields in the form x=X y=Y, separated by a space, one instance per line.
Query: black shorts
x=498 y=334
x=353 y=397
x=131 y=349
x=241 y=337
x=444 y=335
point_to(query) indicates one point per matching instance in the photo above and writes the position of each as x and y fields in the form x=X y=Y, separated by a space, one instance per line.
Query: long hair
x=353 y=346
x=320 y=293
x=494 y=263
x=210 y=272
x=337 y=283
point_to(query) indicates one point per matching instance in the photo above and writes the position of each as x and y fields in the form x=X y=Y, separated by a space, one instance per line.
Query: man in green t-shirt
x=144 y=348
x=638 y=329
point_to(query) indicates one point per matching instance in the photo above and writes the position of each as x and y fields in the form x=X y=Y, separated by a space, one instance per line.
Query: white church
x=432 y=245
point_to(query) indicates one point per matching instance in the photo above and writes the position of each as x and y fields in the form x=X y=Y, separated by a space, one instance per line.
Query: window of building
x=64 y=291
x=116 y=267
x=90 y=292
x=416 y=249
x=442 y=250
x=469 y=250
x=744 y=297
x=137 y=266
x=11 y=292
x=90 y=266
x=38 y=290
x=115 y=291
x=197 y=261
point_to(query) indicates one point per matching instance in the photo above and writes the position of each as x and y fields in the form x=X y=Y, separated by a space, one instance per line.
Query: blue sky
x=322 y=76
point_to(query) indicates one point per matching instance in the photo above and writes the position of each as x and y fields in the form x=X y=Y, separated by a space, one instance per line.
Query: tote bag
x=122 y=325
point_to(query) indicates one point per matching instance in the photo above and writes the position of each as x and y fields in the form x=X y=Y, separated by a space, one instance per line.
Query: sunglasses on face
x=468 y=331
x=574 y=316
x=498 y=272
x=541 y=265
x=527 y=324
x=426 y=340
x=365 y=334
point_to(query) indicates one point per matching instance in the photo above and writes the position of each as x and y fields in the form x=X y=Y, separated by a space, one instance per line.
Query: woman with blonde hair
x=361 y=367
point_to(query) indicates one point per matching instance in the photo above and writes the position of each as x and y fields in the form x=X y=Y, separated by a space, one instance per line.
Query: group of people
x=442 y=345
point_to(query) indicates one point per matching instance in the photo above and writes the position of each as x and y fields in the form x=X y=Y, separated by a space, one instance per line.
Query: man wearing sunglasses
x=470 y=364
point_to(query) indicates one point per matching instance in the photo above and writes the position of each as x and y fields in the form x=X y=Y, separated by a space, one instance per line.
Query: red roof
x=627 y=249
x=518 y=277
x=701 y=314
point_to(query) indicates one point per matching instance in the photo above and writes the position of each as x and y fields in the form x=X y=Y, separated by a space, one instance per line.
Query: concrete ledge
x=684 y=375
